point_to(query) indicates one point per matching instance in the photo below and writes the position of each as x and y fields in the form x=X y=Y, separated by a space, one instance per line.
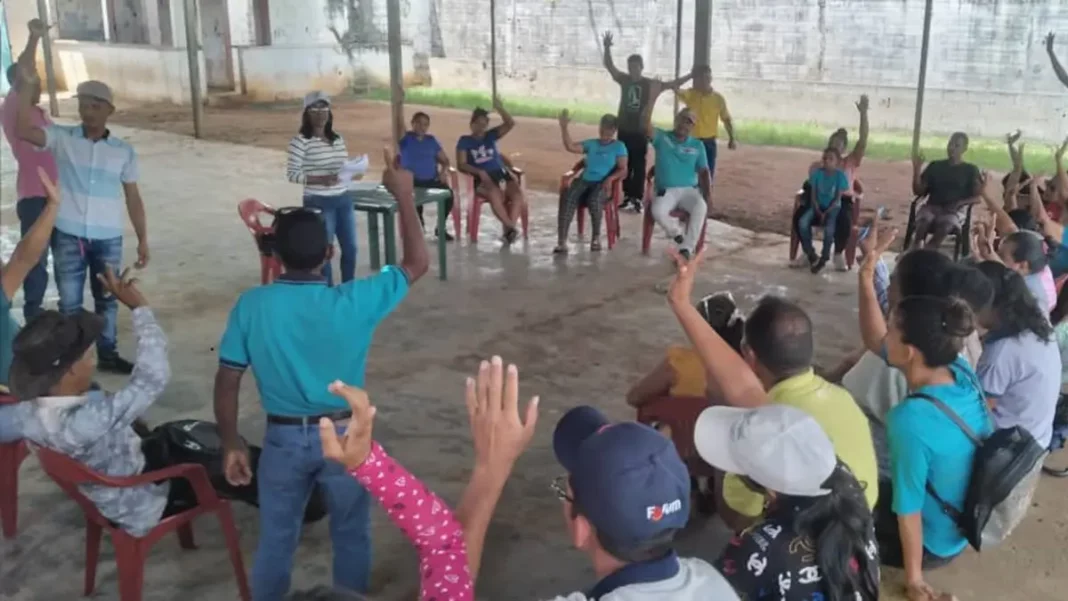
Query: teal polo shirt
x=298 y=335
x=677 y=161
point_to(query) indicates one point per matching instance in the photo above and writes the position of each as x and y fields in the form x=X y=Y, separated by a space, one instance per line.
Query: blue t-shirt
x=677 y=162
x=8 y=330
x=482 y=153
x=298 y=335
x=927 y=446
x=827 y=186
x=601 y=158
x=420 y=156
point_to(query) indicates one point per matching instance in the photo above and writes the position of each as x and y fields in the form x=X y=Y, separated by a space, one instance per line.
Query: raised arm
x=1050 y=228
x=152 y=370
x=1058 y=69
x=608 y=64
x=857 y=155
x=872 y=319
x=1009 y=195
x=569 y=144
x=1060 y=177
x=24 y=126
x=507 y=122
x=399 y=182
x=28 y=251
x=725 y=367
x=675 y=84
x=1003 y=224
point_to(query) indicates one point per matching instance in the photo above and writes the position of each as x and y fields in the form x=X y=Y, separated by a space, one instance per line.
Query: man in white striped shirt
x=316 y=155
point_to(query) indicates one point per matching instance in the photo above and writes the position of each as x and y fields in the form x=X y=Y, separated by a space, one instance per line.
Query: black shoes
x=113 y=363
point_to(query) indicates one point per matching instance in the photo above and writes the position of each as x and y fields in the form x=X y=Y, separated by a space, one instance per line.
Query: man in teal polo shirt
x=679 y=158
x=298 y=335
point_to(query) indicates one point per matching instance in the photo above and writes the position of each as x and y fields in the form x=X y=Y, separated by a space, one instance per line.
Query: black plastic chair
x=962 y=238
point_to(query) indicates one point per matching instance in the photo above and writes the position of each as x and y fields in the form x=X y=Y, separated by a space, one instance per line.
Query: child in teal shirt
x=826 y=185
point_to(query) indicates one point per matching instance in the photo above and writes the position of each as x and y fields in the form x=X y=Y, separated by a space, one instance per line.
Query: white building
x=265 y=49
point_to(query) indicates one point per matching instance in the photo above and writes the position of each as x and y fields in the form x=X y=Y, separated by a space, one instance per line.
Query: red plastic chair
x=474 y=211
x=131 y=551
x=851 y=246
x=680 y=414
x=648 y=224
x=12 y=454
x=251 y=212
x=611 y=205
x=454 y=187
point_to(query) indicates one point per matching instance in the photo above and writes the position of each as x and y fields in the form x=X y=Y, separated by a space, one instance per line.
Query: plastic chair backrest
x=251 y=211
x=69 y=474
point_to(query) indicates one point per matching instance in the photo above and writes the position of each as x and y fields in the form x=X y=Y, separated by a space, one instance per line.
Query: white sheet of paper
x=354 y=168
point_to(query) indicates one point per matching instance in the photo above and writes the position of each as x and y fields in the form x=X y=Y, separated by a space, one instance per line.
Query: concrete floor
x=582 y=330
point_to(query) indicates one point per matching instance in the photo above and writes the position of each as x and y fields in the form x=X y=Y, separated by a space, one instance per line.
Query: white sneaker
x=839 y=262
x=801 y=262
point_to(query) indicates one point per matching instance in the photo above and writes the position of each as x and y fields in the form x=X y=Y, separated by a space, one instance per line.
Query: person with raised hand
x=298 y=335
x=52 y=376
x=32 y=195
x=24 y=260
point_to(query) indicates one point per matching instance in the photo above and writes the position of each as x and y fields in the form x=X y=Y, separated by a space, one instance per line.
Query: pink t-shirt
x=426 y=521
x=1050 y=287
x=28 y=156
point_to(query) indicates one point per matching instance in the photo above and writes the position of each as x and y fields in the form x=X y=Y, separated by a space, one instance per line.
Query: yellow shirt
x=842 y=420
x=690 y=378
x=708 y=107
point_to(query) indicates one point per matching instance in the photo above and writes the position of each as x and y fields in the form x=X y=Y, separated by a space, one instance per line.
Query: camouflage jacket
x=95 y=429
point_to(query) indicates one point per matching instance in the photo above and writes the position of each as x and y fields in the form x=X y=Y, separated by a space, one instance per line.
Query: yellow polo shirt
x=708 y=107
x=843 y=421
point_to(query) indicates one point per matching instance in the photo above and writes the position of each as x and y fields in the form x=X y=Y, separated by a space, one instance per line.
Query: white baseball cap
x=779 y=447
x=317 y=96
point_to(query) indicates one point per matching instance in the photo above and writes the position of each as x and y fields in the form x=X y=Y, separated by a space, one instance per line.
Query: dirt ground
x=754 y=185
x=582 y=330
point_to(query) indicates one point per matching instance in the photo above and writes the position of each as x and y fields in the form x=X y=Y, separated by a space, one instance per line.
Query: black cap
x=46 y=348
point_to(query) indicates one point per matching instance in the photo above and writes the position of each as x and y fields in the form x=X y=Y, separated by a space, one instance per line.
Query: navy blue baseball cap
x=626 y=478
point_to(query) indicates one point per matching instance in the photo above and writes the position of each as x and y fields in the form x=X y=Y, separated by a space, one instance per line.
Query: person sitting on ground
x=478 y=155
x=316 y=156
x=681 y=373
x=924 y=338
x=1020 y=369
x=827 y=185
x=681 y=165
x=778 y=349
x=849 y=165
x=24 y=259
x=950 y=185
x=626 y=496
x=605 y=164
x=817 y=537
x=421 y=154
x=52 y=373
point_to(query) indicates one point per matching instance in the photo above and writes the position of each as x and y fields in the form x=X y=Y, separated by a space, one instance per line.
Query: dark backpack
x=196 y=441
x=1004 y=474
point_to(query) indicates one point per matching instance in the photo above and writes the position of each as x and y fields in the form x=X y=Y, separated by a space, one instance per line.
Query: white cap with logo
x=95 y=89
x=317 y=96
x=779 y=447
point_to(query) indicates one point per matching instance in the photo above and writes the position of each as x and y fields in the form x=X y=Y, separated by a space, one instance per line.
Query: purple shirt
x=28 y=156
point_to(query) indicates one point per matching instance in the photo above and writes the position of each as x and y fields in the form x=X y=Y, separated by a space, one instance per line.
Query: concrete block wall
x=782 y=60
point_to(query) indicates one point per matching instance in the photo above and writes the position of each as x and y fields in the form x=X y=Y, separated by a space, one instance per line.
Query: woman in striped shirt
x=316 y=155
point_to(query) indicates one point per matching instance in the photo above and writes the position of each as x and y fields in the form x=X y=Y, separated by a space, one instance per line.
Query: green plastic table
x=378 y=202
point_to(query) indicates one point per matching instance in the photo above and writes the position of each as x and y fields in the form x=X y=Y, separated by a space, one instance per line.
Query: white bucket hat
x=779 y=447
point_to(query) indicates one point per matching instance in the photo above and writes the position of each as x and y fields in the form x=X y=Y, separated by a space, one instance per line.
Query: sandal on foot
x=595 y=246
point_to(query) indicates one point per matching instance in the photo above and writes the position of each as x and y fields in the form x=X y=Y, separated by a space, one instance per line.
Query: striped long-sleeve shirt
x=316 y=157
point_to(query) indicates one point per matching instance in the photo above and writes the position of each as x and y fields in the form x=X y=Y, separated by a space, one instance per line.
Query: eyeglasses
x=290 y=210
x=319 y=109
x=559 y=488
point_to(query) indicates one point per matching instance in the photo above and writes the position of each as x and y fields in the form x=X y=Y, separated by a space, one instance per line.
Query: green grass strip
x=886 y=145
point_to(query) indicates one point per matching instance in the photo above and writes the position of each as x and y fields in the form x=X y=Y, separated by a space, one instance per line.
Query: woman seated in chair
x=681 y=373
x=605 y=164
x=478 y=155
x=951 y=185
x=421 y=154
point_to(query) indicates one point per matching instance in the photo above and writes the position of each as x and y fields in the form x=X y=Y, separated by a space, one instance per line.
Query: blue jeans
x=710 y=150
x=804 y=230
x=36 y=282
x=72 y=257
x=340 y=219
x=291 y=463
